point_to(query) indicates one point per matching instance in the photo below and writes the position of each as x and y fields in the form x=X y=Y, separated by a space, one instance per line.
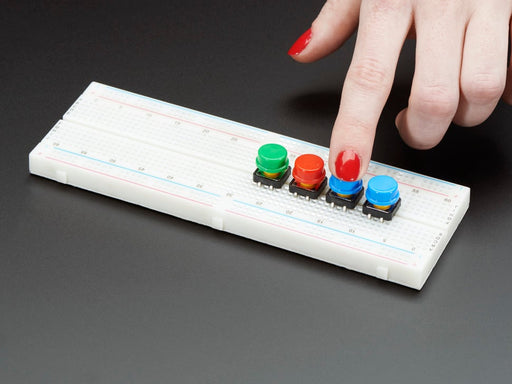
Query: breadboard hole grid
x=142 y=144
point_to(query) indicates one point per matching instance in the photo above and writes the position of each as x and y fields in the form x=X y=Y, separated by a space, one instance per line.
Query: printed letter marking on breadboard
x=200 y=168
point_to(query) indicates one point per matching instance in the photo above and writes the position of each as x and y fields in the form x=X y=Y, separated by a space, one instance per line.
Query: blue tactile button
x=346 y=188
x=382 y=191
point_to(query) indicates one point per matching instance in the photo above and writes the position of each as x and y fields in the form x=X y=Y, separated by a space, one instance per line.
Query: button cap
x=344 y=188
x=272 y=160
x=308 y=171
x=382 y=191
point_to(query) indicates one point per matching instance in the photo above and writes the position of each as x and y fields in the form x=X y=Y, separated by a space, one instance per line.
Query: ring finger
x=434 y=95
x=484 y=63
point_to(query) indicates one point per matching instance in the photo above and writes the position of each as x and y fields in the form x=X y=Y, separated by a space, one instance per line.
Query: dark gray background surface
x=95 y=290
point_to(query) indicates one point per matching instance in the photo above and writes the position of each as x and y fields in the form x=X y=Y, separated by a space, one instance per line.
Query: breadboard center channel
x=200 y=168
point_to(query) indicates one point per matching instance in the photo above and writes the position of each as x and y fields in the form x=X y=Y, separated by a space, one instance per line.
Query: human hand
x=460 y=70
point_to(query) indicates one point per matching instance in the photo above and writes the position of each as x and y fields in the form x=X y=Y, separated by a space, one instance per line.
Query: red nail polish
x=301 y=43
x=348 y=165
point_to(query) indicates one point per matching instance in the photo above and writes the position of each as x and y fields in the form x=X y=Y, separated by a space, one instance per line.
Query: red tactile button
x=308 y=171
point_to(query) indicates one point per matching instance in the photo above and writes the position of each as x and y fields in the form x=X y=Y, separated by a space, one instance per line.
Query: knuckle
x=359 y=128
x=331 y=8
x=380 y=6
x=369 y=74
x=437 y=101
x=483 y=88
x=429 y=141
x=424 y=137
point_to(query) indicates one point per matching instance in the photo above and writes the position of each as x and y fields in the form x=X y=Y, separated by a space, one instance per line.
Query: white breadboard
x=199 y=167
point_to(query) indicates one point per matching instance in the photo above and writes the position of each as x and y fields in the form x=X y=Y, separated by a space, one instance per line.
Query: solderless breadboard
x=199 y=167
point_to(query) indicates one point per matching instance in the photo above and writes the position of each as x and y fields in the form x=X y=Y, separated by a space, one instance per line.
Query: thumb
x=333 y=26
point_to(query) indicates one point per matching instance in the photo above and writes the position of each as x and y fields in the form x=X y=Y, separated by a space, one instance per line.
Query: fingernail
x=348 y=165
x=301 y=43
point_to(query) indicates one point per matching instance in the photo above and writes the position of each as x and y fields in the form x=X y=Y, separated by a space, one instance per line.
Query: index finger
x=383 y=27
